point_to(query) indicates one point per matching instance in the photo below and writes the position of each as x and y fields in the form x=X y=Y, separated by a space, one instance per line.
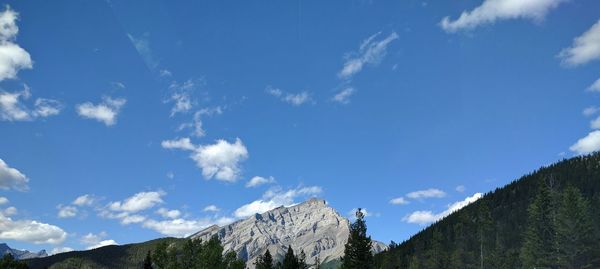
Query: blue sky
x=124 y=121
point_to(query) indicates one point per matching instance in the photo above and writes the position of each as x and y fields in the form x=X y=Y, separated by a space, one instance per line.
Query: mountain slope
x=490 y=231
x=21 y=254
x=312 y=227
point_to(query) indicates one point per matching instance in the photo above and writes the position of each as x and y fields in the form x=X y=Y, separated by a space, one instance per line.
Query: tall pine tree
x=264 y=261
x=290 y=261
x=357 y=254
x=539 y=248
x=574 y=231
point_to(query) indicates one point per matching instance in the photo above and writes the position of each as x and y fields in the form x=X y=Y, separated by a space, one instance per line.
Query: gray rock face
x=312 y=227
x=20 y=254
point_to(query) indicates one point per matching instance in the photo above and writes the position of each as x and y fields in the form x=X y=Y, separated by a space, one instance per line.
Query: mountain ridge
x=21 y=254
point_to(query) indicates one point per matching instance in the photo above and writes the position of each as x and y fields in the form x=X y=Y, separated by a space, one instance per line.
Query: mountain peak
x=311 y=226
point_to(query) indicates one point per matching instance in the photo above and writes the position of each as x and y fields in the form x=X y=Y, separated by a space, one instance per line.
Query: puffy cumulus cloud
x=84 y=200
x=11 y=178
x=105 y=111
x=30 y=231
x=221 y=160
x=180 y=227
x=491 y=11
x=588 y=144
x=211 y=208
x=585 y=48
x=370 y=52
x=58 y=250
x=93 y=241
x=274 y=198
x=3 y=200
x=12 y=57
x=12 y=107
x=426 y=217
x=428 y=193
x=295 y=99
x=589 y=111
x=166 y=213
x=9 y=211
x=343 y=96
x=257 y=181
x=66 y=211
x=399 y=201
x=138 y=202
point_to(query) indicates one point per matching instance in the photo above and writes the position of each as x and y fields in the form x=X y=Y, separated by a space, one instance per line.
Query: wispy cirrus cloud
x=370 y=52
x=295 y=99
x=585 y=48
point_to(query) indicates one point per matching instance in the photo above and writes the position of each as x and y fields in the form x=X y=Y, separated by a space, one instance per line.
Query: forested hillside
x=547 y=219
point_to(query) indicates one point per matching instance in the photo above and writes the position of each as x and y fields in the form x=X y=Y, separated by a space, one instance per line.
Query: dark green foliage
x=148 y=261
x=9 y=262
x=195 y=254
x=539 y=248
x=124 y=256
x=357 y=252
x=290 y=261
x=539 y=219
x=574 y=226
x=264 y=261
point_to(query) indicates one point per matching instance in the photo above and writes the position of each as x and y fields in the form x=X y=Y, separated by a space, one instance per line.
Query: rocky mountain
x=312 y=227
x=21 y=254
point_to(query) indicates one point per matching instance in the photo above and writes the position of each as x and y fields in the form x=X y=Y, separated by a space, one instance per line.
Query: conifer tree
x=290 y=261
x=264 y=261
x=302 y=260
x=574 y=230
x=538 y=250
x=357 y=254
x=148 y=261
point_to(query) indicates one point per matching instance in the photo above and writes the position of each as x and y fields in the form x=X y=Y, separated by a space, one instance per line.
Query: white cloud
x=182 y=143
x=58 y=250
x=93 y=241
x=13 y=109
x=182 y=227
x=399 y=201
x=181 y=97
x=11 y=178
x=491 y=11
x=142 y=46
x=66 y=211
x=3 y=200
x=220 y=160
x=165 y=73
x=460 y=188
x=589 y=111
x=9 y=211
x=12 y=57
x=211 y=208
x=343 y=97
x=84 y=200
x=196 y=125
x=585 y=48
x=295 y=99
x=30 y=231
x=426 y=217
x=274 y=198
x=257 y=181
x=595 y=124
x=137 y=202
x=588 y=144
x=595 y=87
x=105 y=112
x=367 y=213
x=428 y=193
x=370 y=52
x=166 y=213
